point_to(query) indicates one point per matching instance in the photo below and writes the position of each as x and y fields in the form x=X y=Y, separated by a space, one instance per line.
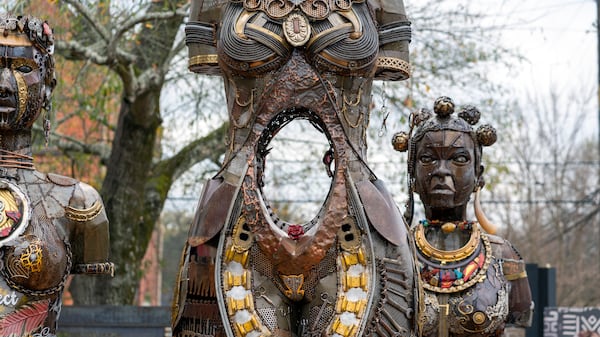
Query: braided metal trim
x=200 y=32
x=84 y=215
x=100 y=268
x=394 y=32
x=395 y=65
x=203 y=59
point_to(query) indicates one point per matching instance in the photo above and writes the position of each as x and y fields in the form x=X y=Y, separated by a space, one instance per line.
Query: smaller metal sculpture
x=50 y=225
x=474 y=282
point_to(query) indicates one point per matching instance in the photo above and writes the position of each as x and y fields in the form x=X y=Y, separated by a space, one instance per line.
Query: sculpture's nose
x=6 y=86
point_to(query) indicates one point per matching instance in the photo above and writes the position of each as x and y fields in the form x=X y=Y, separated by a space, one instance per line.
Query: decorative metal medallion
x=296 y=29
x=14 y=211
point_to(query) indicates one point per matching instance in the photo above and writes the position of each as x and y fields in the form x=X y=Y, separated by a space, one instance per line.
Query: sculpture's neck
x=16 y=141
x=15 y=149
x=447 y=214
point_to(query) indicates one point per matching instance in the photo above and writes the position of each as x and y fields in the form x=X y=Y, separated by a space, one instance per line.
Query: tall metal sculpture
x=50 y=225
x=350 y=270
x=474 y=282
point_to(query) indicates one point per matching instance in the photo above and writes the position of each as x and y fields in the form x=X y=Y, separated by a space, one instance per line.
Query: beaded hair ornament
x=424 y=121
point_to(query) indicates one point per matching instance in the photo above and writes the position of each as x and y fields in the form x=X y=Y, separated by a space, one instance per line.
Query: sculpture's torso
x=466 y=290
x=42 y=226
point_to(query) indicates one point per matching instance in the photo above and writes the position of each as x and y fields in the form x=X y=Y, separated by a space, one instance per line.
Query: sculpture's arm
x=394 y=37
x=90 y=234
x=201 y=36
x=520 y=303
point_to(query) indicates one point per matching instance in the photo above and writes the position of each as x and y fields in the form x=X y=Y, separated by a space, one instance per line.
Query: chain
x=46 y=292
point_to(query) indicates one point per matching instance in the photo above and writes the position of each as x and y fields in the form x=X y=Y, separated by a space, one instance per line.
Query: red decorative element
x=481 y=260
x=473 y=266
x=5 y=231
x=447 y=278
x=295 y=231
x=14 y=215
x=47 y=29
x=24 y=320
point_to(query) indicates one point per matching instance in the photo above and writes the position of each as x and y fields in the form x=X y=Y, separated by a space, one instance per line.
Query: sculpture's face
x=445 y=173
x=22 y=88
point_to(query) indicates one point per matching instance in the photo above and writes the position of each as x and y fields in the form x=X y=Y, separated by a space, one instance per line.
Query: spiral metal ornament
x=400 y=141
x=486 y=135
x=470 y=114
x=443 y=106
x=420 y=116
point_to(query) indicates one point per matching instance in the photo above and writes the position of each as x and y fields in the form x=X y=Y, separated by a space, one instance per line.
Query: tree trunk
x=126 y=198
x=131 y=206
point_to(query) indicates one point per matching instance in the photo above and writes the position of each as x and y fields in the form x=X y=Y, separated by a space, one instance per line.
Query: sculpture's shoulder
x=503 y=248
x=82 y=202
x=388 y=6
x=86 y=221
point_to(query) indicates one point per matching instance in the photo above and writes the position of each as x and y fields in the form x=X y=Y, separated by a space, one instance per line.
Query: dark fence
x=114 y=321
x=542 y=281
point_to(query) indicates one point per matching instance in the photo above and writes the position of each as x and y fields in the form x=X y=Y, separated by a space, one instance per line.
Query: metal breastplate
x=465 y=297
x=259 y=36
x=33 y=270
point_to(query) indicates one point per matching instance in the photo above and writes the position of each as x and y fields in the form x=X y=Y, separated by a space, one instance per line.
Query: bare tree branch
x=73 y=50
x=89 y=17
x=208 y=147
x=69 y=144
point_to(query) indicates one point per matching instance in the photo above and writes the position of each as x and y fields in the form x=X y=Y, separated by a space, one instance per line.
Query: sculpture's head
x=26 y=70
x=444 y=154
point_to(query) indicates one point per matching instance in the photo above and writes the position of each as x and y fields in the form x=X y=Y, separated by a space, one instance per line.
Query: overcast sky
x=558 y=37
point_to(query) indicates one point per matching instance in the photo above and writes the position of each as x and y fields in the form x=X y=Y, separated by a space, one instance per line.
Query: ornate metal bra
x=255 y=38
x=455 y=270
x=35 y=251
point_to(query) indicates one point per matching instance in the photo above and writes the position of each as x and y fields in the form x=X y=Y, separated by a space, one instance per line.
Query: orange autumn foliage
x=83 y=100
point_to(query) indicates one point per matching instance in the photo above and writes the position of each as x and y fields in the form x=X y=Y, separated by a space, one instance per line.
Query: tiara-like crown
x=37 y=31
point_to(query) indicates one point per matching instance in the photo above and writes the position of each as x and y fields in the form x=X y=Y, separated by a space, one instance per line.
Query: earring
x=483 y=220
x=47 y=110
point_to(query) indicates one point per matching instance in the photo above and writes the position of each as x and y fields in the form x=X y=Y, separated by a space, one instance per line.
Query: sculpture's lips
x=442 y=189
x=7 y=110
x=5 y=114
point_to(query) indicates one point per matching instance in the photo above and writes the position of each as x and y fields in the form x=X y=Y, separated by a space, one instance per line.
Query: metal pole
x=598 y=90
x=598 y=49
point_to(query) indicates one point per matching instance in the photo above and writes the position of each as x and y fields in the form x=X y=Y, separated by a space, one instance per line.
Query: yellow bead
x=448 y=227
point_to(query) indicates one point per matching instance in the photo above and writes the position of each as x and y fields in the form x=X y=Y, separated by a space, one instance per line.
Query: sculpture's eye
x=460 y=158
x=426 y=159
x=24 y=69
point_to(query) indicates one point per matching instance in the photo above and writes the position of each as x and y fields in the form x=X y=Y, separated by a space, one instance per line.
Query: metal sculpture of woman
x=474 y=282
x=50 y=225
x=348 y=271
